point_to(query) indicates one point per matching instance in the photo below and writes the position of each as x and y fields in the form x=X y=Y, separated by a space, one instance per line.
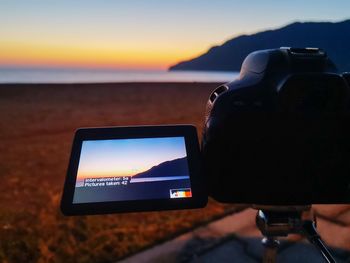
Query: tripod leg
x=314 y=238
x=271 y=245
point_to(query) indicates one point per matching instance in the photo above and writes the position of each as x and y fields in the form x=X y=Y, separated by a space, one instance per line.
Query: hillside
x=332 y=37
x=175 y=167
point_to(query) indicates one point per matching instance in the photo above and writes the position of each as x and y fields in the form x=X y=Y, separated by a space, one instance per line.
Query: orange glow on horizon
x=93 y=56
x=102 y=174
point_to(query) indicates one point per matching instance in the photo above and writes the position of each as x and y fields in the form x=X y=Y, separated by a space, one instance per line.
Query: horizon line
x=84 y=177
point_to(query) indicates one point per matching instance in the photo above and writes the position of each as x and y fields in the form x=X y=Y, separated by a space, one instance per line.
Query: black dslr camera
x=278 y=135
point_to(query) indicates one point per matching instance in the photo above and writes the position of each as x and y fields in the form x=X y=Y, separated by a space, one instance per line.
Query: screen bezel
x=199 y=195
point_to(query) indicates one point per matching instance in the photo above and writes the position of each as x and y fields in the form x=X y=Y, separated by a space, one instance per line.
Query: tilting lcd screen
x=132 y=169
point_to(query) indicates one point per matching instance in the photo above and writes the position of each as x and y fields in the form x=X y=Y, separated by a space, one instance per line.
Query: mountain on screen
x=176 y=167
x=334 y=38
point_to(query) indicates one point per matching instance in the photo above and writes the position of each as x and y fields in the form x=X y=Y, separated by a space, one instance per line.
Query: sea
x=50 y=75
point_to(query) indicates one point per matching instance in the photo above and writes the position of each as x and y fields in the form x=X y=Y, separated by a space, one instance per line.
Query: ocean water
x=35 y=75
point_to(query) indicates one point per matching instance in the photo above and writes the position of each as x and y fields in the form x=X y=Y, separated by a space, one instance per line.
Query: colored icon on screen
x=180 y=193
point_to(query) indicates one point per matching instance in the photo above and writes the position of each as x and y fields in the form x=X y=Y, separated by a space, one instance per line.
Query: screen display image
x=132 y=169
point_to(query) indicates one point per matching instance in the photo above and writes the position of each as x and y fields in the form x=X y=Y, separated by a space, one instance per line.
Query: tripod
x=275 y=221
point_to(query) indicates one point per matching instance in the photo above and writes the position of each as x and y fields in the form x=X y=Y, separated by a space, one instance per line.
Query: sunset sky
x=103 y=158
x=138 y=34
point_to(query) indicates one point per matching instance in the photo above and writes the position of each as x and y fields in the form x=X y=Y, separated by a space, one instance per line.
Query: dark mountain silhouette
x=176 y=167
x=332 y=37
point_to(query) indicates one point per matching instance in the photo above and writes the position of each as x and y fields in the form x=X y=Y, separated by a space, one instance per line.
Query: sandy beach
x=36 y=130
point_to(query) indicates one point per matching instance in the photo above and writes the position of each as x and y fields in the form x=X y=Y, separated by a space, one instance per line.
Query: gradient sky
x=150 y=34
x=102 y=158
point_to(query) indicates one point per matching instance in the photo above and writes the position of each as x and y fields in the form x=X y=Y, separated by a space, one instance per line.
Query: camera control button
x=238 y=103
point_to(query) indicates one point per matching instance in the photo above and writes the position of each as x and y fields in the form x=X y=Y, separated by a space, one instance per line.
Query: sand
x=37 y=124
x=36 y=130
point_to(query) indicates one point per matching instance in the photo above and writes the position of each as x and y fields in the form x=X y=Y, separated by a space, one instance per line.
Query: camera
x=278 y=135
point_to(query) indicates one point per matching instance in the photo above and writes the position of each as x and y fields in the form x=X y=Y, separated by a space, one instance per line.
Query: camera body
x=279 y=134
